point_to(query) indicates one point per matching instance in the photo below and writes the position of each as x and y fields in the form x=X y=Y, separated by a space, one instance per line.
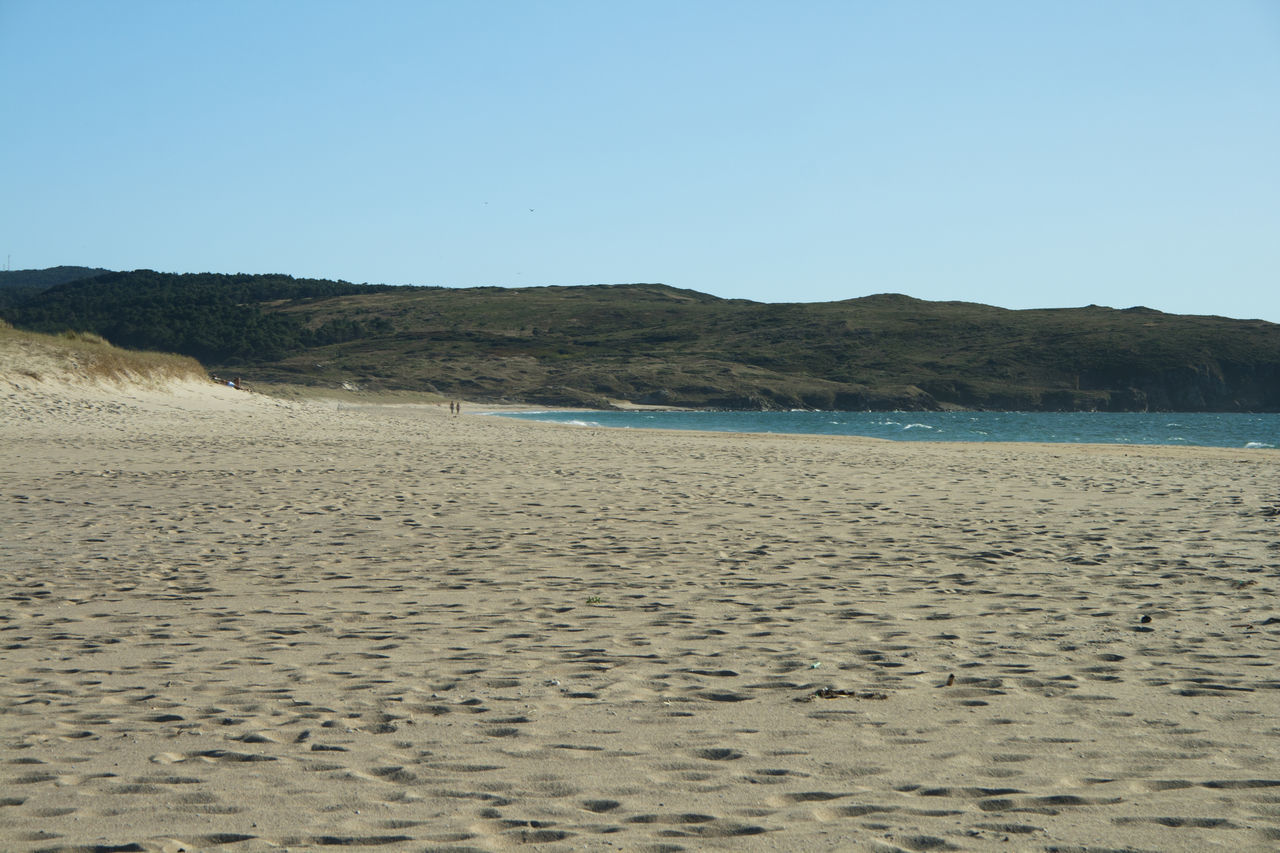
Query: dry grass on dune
x=84 y=358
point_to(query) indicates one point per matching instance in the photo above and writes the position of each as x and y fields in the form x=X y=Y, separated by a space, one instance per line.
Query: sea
x=1248 y=431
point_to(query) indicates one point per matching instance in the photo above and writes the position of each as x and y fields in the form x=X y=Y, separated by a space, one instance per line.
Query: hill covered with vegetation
x=219 y=319
x=649 y=343
x=16 y=286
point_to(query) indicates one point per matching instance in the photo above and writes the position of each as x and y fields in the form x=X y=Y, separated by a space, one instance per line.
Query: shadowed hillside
x=649 y=343
x=16 y=286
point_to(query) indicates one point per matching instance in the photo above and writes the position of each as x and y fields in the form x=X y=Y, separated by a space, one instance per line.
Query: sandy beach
x=237 y=622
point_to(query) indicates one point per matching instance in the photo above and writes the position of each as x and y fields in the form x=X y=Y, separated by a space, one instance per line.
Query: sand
x=236 y=622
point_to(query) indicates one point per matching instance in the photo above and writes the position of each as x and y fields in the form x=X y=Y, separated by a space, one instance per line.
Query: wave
x=1183 y=429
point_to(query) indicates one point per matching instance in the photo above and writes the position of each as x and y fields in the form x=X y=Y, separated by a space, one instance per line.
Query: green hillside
x=17 y=286
x=649 y=343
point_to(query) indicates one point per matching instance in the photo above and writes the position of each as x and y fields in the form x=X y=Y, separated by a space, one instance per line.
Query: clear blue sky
x=1020 y=153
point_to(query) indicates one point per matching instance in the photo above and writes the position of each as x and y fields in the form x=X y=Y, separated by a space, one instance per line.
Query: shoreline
x=305 y=392
x=1250 y=447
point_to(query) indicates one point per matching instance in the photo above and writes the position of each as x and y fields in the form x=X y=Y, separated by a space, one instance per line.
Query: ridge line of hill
x=658 y=345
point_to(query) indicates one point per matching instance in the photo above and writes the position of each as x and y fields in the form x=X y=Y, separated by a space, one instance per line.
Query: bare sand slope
x=233 y=622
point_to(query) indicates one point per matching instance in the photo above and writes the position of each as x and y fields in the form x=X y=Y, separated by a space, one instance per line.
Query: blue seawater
x=1254 y=431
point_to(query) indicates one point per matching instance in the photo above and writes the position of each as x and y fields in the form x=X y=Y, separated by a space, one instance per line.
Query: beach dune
x=237 y=622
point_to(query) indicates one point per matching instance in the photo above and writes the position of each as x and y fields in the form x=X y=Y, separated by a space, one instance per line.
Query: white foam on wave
x=917 y=426
x=1256 y=445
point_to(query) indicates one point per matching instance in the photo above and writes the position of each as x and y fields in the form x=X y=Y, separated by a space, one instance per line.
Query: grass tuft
x=85 y=337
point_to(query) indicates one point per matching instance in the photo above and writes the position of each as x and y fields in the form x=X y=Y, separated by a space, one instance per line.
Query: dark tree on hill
x=214 y=318
x=44 y=279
